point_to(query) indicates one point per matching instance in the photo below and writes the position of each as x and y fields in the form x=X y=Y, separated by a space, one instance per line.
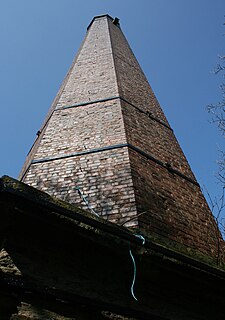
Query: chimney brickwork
x=84 y=142
x=107 y=134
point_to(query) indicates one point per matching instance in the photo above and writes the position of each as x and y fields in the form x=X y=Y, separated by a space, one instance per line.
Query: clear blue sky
x=176 y=42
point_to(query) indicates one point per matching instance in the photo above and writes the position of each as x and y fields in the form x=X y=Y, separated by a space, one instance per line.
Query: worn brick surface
x=91 y=77
x=132 y=82
x=83 y=128
x=154 y=138
x=94 y=70
x=174 y=209
x=104 y=178
x=119 y=183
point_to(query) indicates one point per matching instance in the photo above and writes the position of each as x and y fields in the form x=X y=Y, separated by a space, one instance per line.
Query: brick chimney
x=107 y=142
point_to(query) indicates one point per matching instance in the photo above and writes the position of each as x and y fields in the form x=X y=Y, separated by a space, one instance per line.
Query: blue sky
x=177 y=43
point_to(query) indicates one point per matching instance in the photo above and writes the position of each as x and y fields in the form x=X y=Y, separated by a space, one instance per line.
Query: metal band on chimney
x=147 y=113
x=117 y=146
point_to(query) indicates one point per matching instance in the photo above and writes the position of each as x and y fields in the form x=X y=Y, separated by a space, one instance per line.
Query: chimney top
x=114 y=21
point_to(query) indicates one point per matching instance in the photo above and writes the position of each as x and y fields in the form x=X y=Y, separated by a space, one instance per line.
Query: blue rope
x=141 y=237
x=86 y=201
x=134 y=278
x=135 y=269
x=136 y=235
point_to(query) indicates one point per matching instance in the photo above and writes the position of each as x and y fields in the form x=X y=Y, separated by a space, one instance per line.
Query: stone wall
x=35 y=311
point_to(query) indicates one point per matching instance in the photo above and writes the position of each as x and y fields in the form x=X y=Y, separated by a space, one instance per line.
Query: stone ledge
x=63 y=212
x=63 y=255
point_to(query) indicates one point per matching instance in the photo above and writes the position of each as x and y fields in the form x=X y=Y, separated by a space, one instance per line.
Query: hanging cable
x=86 y=201
x=135 y=268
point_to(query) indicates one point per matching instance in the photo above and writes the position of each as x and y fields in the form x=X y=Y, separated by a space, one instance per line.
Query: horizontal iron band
x=147 y=113
x=117 y=146
x=87 y=103
x=80 y=153
x=114 y=98
x=163 y=164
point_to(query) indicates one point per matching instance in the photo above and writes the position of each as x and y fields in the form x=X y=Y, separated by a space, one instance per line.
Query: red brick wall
x=83 y=128
x=104 y=177
x=175 y=208
x=154 y=138
x=132 y=83
x=119 y=182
